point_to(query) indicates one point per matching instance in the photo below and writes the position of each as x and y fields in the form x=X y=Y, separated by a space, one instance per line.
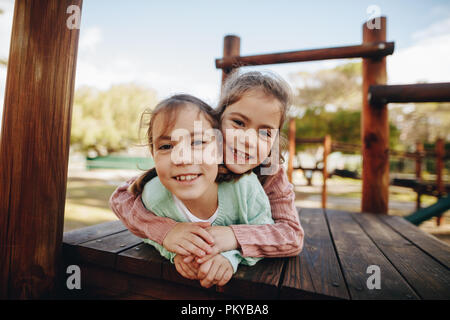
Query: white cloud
x=428 y=59
x=89 y=38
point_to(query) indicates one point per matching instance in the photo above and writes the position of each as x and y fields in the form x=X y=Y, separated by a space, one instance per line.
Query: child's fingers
x=185 y=271
x=191 y=248
x=199 y=242
x=205 y=235
x=188 y=259
x=181 y=251
x=219 y=274
x=204 y=269
x=208 y=281
x=205 y=258
x=225 y=278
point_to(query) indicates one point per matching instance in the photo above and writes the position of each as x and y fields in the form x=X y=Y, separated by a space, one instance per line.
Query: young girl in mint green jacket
x=187 y=183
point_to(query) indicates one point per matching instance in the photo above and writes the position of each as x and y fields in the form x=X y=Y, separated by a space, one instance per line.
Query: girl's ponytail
x=137 y=186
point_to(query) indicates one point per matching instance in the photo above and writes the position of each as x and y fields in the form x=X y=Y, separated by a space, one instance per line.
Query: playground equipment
x=442 y=205
x=376 y=96
x=35 y=141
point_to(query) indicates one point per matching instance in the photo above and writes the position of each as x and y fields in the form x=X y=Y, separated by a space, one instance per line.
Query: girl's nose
x=181 y=154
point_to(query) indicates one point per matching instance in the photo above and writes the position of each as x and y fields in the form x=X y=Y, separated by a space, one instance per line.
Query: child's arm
x=285 y=237
x=181 y=238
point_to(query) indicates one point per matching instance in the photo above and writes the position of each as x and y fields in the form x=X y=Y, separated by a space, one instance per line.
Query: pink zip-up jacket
x=282 y=239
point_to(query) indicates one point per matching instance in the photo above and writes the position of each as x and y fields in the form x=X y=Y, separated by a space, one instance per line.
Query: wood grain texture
x=356 y=252
x=35 y=146
x=374 y=129
x=428 y=278
x=315 y=273
x=434 y=247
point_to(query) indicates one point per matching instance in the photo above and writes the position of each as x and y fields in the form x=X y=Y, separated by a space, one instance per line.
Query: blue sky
x=171 y=46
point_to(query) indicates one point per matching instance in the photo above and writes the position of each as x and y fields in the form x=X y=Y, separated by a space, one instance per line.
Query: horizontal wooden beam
x=309 y=140
x=421 y=92
x=368 y=50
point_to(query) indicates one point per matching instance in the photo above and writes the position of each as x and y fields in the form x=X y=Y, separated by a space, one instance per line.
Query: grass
x=87 y=203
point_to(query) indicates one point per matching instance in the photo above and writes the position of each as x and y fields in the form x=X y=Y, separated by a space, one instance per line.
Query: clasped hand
x=197 y=247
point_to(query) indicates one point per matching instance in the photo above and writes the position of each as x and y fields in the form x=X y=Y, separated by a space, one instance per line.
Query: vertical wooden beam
x=291 y=138
x=326 y=152
x=375 y=128
x=34 y=147
x=440 y=151
x=419 y=155
x=231 y=47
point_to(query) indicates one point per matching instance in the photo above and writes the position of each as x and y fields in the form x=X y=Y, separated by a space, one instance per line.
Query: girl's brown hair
x=169 y=107
x=237 y=85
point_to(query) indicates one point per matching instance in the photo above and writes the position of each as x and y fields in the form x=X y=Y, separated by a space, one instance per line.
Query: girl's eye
x=265 y=133
x=238 y=122
x=165 y=147
x=197 y=142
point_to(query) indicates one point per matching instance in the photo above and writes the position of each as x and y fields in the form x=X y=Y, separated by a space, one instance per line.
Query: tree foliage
x=330 y=102
x=108 y=121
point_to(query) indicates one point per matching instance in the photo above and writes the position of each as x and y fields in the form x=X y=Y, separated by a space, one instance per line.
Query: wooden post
x=326 y=152
x=440 y=151
x=34 y=147
x=231 y=48
x=419 y=155
x=291 y=137
x=375 y=129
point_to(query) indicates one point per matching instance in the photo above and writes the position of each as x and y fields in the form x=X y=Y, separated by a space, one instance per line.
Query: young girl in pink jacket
x=250 y=102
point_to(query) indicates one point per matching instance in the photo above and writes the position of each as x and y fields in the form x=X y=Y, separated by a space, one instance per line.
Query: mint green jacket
x=240 y=202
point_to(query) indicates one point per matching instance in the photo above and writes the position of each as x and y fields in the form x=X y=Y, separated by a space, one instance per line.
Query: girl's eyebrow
x=263 y=126
x=170 y=138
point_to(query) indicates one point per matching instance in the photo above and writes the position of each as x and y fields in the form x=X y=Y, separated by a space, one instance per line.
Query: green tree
x=329 y=102
x=108 y=121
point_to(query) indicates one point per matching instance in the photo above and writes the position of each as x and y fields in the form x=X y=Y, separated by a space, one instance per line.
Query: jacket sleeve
x=140 y=221
x=282 y=239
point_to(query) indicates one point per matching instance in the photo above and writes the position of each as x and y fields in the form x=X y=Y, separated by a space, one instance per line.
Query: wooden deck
x=339 y=247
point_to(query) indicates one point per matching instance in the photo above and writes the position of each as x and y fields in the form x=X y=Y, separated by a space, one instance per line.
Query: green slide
x=442 y=205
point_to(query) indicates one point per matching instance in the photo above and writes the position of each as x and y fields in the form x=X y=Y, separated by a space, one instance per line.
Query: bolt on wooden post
x=375 y=128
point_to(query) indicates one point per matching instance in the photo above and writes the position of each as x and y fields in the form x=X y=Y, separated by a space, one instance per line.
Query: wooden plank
x=34 y=146
x=97 y=280
x=436 y=248
x=142 y=260
x=256 y=282
x=103 y=251
x=356 y=252
x=315 y=273
x=92 y=232
x=427 y=277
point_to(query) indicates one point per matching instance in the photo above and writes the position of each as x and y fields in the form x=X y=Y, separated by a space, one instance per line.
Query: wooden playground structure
x=437 y=189
x=34 y=155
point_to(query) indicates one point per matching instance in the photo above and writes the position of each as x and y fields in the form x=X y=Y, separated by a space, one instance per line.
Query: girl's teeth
x=188 y=178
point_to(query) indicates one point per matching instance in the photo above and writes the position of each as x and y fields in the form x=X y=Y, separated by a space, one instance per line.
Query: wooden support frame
x=34 y=147
x=231 y=48
x=422 y=92
x=365 y=50
x=374 y=129
x=419 y=156
x=440 y=151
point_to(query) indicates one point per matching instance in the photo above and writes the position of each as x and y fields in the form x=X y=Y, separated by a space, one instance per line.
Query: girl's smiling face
x=250 y=127
x=181 y=164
